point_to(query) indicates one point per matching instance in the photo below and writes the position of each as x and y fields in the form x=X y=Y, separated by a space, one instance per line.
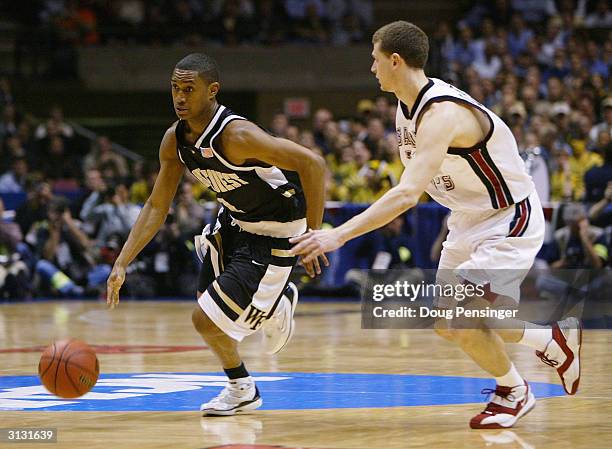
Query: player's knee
x=202 y=323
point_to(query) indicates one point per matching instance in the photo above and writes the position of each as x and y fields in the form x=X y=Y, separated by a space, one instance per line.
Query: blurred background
x=85 y=99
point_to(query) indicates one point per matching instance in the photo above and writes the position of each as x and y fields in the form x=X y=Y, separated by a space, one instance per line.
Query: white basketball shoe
x=279 y=328
x=238 y=396
x=563 y=352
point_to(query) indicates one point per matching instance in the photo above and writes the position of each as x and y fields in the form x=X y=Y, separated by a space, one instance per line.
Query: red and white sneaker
x=508 y=405
x=563 y=352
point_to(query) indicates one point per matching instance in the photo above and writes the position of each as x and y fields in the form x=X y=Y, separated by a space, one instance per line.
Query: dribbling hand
x=113 y=285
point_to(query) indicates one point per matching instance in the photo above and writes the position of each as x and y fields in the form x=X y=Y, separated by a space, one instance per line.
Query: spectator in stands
x=553 y=40
x=375 y=134
x=529 y=98
x=606 y=124
x=562 y=183
x=236 y=22
x=489 y=65
x=9 y=121
x=59 y=163
x=596 y=63
x=116 y=214
x=188 y=213
x=389 y=154
x=293 y=133
x=466 y=50
x=554 y=91
x=320 y=118
x=141 y=188
x=600 y=213
x=573 y=245
x=535 y=163
x=371 y=178
x=580 y=162
x=55 y=124
x=169 y=259
x=313 y=27
x=63 y=250
x=601 y=17
x=519 y=35
x=598 y=178
x=560 y=116
x=14 y=148
x=94 y=194
x=14 y=181
x=35 y=207
x=271 y=18
x=102 y=153
x=279 y=125
x=347 y=30
x=534 y=11
x=14 y=274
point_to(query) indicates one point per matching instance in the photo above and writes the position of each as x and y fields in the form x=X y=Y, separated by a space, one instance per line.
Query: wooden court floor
x=328 y=340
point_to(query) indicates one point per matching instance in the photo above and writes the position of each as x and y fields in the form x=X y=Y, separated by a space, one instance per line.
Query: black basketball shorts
x=242 y=278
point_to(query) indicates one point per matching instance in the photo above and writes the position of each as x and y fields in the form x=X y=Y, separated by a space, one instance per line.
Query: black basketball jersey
x=262 y=199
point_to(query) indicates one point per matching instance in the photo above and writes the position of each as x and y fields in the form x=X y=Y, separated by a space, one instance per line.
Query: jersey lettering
x=444 y=183
x=405 y=137
x=218 y=181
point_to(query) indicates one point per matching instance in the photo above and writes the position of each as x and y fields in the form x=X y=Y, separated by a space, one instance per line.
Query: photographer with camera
x=116 y=215
x=63 y=250
x=574 y=244
x=14 y=273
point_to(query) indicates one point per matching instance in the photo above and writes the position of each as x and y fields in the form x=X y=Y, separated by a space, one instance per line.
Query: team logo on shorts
x=255 y=317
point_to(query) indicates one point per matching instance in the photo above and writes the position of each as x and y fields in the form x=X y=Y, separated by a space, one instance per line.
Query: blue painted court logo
x=280 y=391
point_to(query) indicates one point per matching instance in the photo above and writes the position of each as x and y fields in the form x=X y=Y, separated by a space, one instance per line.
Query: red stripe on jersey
x=523 y=215
x=492 y=177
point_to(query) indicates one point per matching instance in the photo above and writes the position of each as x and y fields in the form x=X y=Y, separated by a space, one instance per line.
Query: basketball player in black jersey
x=269 y=189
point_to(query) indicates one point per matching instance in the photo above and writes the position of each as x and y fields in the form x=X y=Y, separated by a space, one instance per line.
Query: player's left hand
x=315 y=243
x=113 y=285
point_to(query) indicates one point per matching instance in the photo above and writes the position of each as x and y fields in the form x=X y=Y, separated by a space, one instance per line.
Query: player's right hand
x=313 y=267
x=113 y=285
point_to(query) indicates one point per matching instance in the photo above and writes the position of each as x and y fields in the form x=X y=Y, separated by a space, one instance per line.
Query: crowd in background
x=230 y=22
x=51 y=31
x=544 y=67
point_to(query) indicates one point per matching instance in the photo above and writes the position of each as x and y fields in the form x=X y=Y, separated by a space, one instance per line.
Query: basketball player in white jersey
x=464 y=157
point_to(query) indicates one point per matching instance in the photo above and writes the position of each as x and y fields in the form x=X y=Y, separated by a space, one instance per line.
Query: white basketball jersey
x=489 y=175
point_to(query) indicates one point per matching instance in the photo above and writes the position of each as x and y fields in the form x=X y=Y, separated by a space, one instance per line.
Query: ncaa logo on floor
x=280 y=391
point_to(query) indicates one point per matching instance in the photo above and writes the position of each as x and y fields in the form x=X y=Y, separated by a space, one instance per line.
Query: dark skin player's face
x=192 y=97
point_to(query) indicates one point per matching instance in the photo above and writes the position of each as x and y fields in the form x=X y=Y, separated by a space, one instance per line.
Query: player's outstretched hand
x=113 y=285
x=315 y=243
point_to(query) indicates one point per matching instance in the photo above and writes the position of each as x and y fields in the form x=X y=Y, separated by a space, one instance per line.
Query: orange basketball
x=69 y=368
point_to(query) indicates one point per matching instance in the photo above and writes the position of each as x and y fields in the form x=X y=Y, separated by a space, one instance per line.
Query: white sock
x=511 y=379
x=243 y=383
x=537 y=338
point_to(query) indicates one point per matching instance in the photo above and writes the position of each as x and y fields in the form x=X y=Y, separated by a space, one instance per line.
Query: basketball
x=69 y=368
